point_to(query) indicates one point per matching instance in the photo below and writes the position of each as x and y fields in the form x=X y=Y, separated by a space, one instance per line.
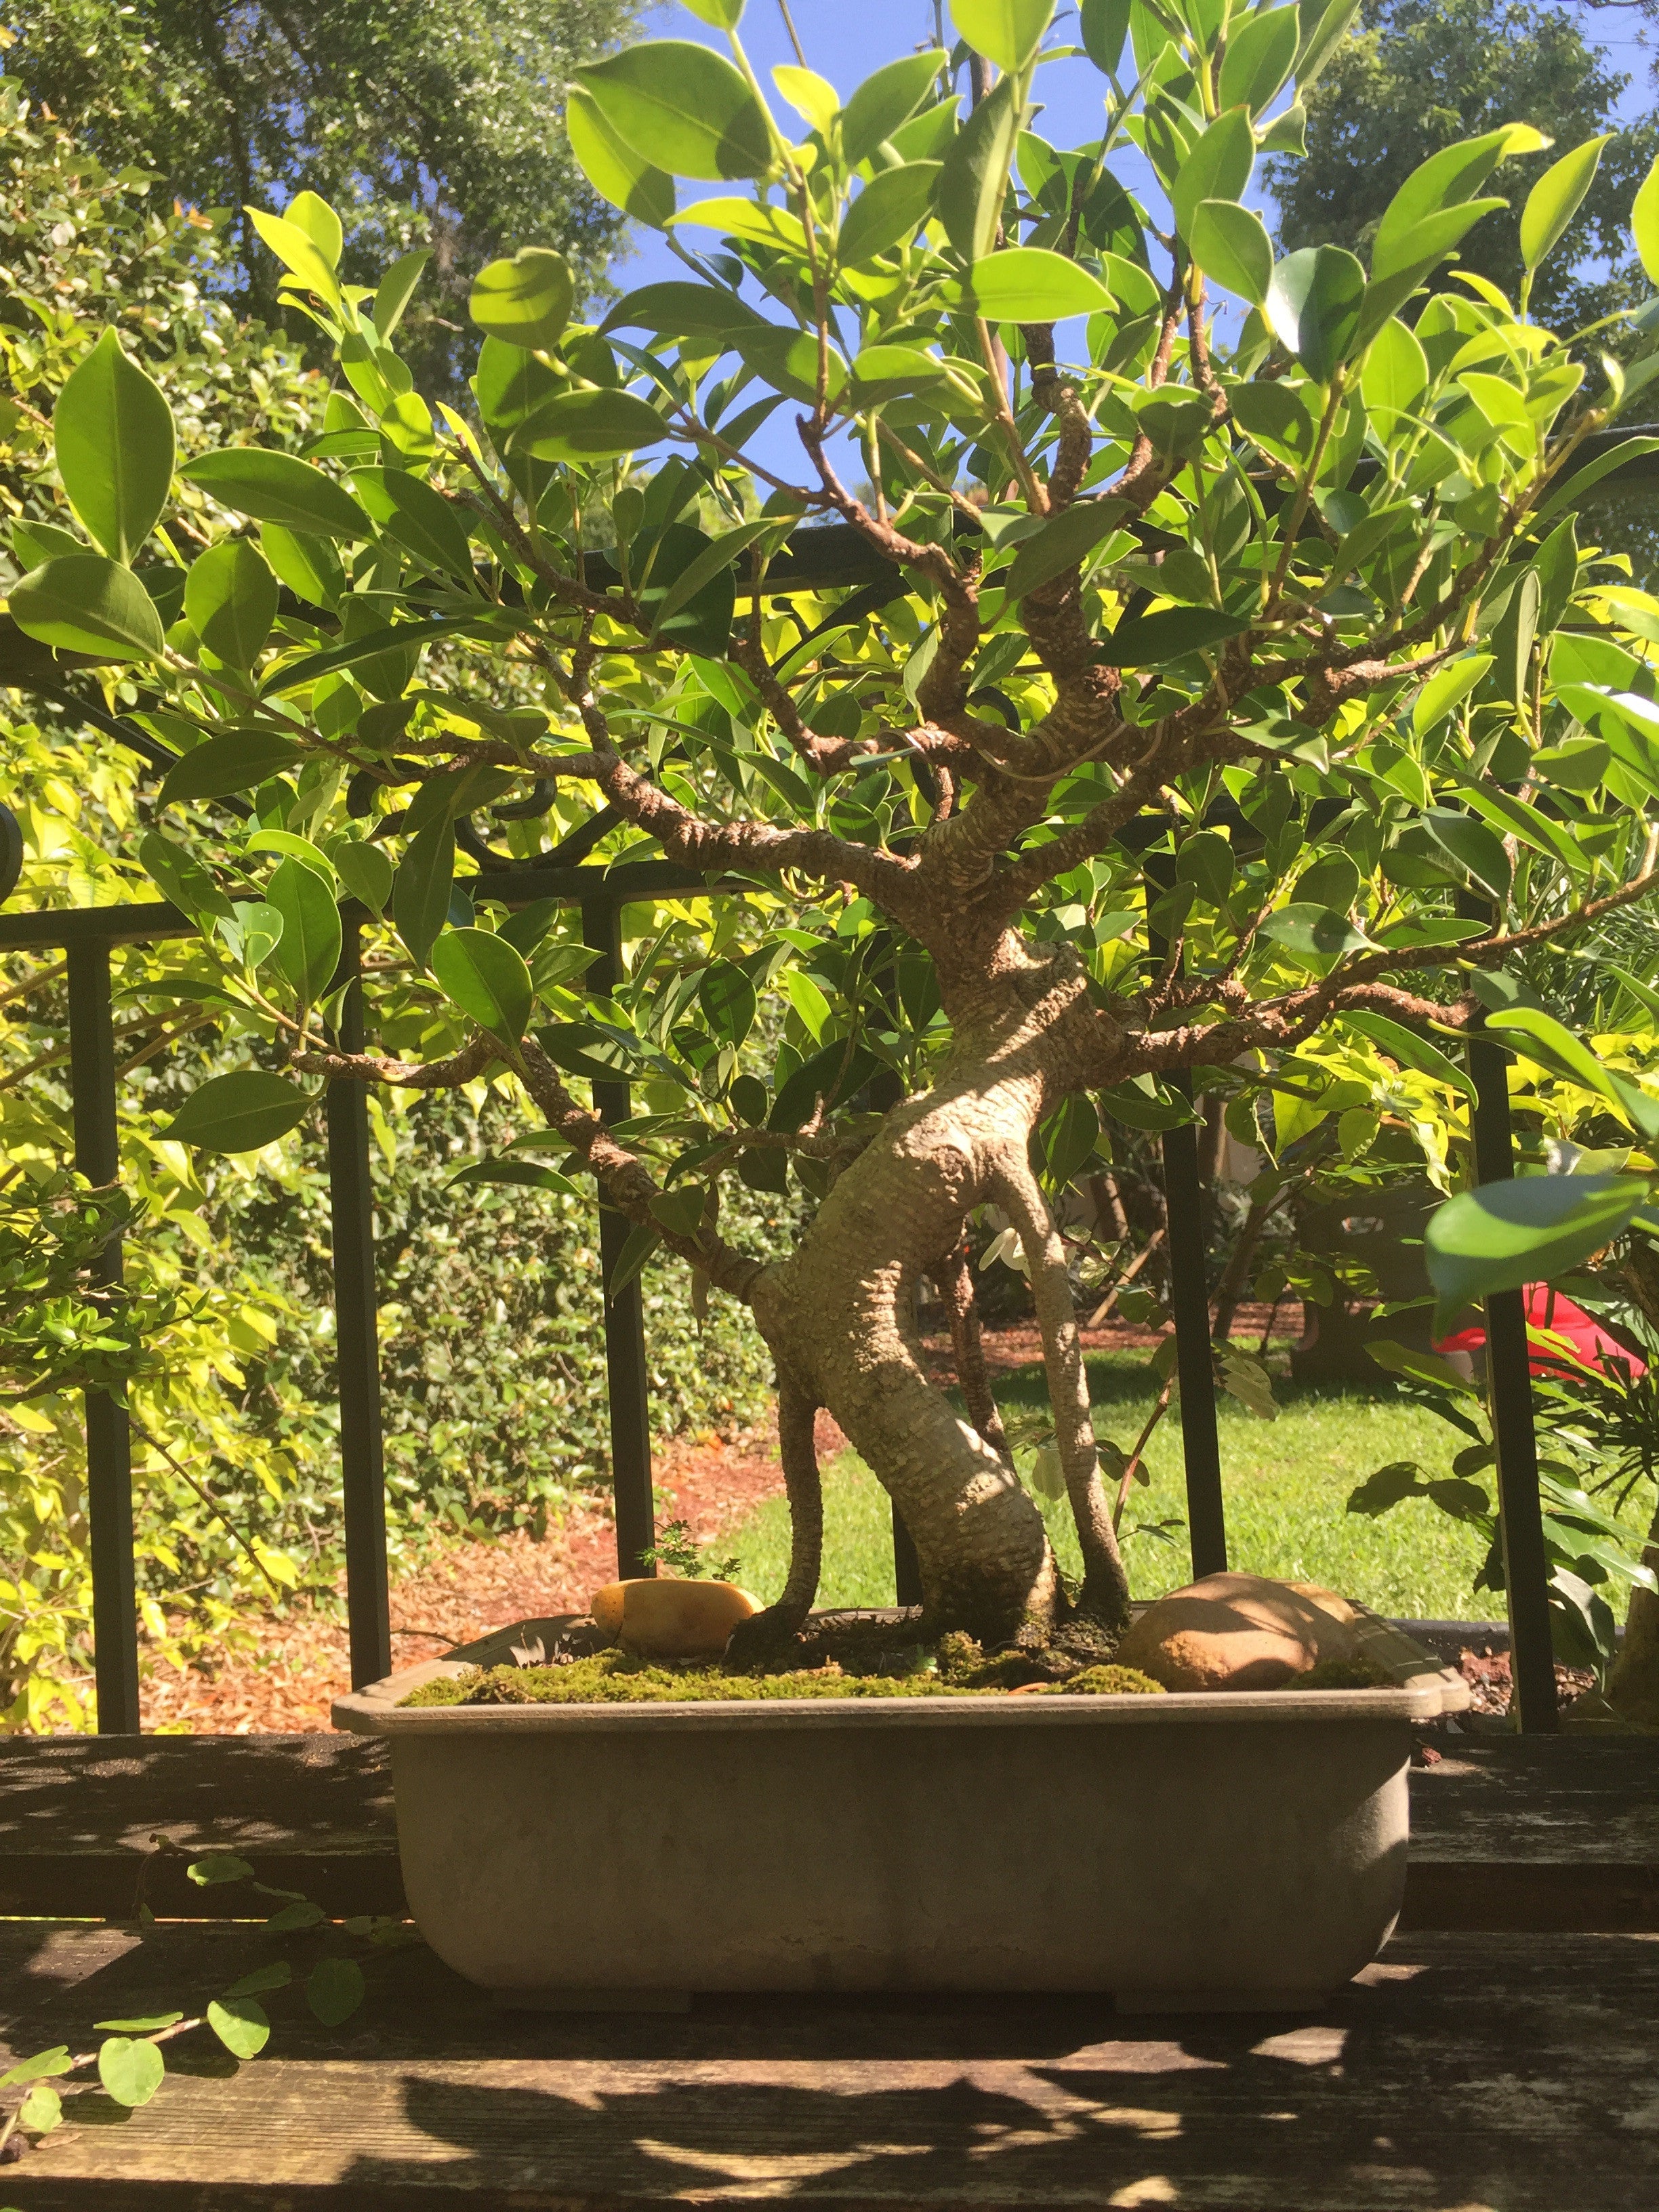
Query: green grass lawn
x=1286 y=1482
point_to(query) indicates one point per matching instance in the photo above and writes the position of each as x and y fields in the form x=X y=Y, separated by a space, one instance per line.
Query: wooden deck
x=1496 y=2057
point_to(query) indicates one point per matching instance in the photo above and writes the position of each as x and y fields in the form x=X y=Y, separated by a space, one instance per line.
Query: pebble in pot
x=664 y=1620
x=1239 y=1633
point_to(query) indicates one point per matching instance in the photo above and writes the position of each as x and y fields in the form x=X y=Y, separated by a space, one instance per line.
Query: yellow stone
x=664 y=1620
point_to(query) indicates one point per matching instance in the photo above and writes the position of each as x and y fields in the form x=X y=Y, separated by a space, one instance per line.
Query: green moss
x=616 y=1678
x=1355 y=1674
x=1110 y=1682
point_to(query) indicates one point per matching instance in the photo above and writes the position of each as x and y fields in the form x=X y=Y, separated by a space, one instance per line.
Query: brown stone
x=1238 y=1632
x=664 y=1620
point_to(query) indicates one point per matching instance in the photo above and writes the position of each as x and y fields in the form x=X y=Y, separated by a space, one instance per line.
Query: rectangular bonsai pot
x=1183 y=1852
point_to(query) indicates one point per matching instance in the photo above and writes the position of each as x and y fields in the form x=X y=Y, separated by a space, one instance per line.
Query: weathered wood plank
x=1507 y=1831
x=1506 y=2072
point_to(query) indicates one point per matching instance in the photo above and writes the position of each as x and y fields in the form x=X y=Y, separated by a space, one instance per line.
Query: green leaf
x=220 y=1866
x=1007 y=32
x=716 y=557
x=525 y=302
x=883 y=372
x=279 y=488
x=82 y=603
x=1260 y=57
x=486 y=978
x=975 y=174
x=397 y=289
x=37 y=2068
x=685 y=108
x=1063 y=541
x=298 y=252
x=308 y=953
x=887 y=212
x=1644 y=223
x=130 y=2072
x=1323 y=29
x=884 y=101
x=1447 y=179
x=1409 y=1049
x=640 y=1243
x=419 y=517
x=230 y=601
x=1313 y=307
x=296 y=847
x=808 y=1001
x=1103 y=25
x=241 y=2024
x=588 y=426
x=1149 y=640
x=616 y=171
x=681 y=1209
x=1028 y=284
x=724 y=14
x=728 y=1001
x=1206 y=861
x=1477 y=849
x=1505 y=1235
x=1274 y=415
x=1554 y=199
x=32 y=543
x=1555 y=1048
x=421 y=889
x=113 y=436
x=1313 y=932
x=524 y=1173
x=1446 y=688
x=241 y=1112
x=1218 y=168
x=41 y=2111
x=1231 y=243
x=277 y=1976
x=1396 y=372
x=239 y=761
x=308 y=566
x=181 y=877
x=259 y=928
x=679 y=311
x=364 y=871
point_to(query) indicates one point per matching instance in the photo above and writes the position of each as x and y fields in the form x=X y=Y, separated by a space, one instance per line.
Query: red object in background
x=1552 y=1310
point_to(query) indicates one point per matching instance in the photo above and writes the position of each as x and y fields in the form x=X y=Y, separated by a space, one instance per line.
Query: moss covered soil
x=619 y=1678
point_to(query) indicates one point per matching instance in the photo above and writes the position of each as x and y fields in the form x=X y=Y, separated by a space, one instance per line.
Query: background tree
x=1416 y=75
x=437 y=125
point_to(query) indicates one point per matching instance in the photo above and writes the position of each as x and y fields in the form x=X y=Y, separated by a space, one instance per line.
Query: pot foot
x=1221 y=2000
x=593 y=2000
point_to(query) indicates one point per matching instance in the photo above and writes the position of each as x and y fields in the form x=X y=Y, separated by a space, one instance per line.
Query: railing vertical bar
x=1189 y=1299
x=109 y=1452
x=351 y=1205
x=624 y=1311
x=1509 y=1388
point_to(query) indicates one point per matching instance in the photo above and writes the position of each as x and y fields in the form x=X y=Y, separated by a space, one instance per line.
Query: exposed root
x=761 y=1639
x=1105 y=1586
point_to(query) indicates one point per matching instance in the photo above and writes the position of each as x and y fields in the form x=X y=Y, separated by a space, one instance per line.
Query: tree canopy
x=1416 y=75
x=436 y=126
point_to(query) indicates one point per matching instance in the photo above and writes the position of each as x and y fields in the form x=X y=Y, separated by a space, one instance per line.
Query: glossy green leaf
x=639 y=1243
x=276 y=1976
x=1555 y=198
x=684 y=109
x=1103 y=25
x=1007 y=32
x=1545 y=1040
x=787 y=359
x=1644 y=223
x=1475 y=848
x=309 y=566
x=1626 y=722
x=1028 y=284
x=309 y=952
x=1218 y=168
x=1061 y=542
x=975 y=174
x=525 y=302
x=112 y=431
x=713 y=561
x=1231 y=243
x=1148 y=641
x=486 y=978
x=334 y=1989
x=728 y=1001
x=1324 y=25
x=678 y=310
x=1505 y=1235
x=886 y=100
x=1276 y=416
x=38 y=2067
x=41 y=2109
x=181 y=877
x=240 y=761
x=1315 y=931
x=1395 y=375
x=257 y=929
x=881 y=372
x=241 y=2024
x=421 y=889
x=1259 y=56
x=724 y=14
x=419 y=517
x=82 y=603
x=280 y=488
x=132 y=2072
x=627 y=179
x=887 y=212
x=241 y=1112
x=1313 y=306
x=230 y=601
x=588 y=426
x=397 y=288
x=33 y=542
x=1409 y=1049
x=365 y=870
x=307 y=266
x=1445 y=180
x=522 y=1174
x=295 y=848
x=1446 y=688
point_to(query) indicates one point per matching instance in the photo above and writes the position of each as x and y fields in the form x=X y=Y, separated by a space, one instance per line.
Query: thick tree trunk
x=839 y=1314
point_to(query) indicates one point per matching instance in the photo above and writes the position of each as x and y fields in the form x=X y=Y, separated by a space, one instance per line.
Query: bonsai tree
x=1255 y=580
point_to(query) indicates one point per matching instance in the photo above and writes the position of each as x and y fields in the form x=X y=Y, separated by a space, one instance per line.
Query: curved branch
x=954 y=1282
x=757 y=1639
